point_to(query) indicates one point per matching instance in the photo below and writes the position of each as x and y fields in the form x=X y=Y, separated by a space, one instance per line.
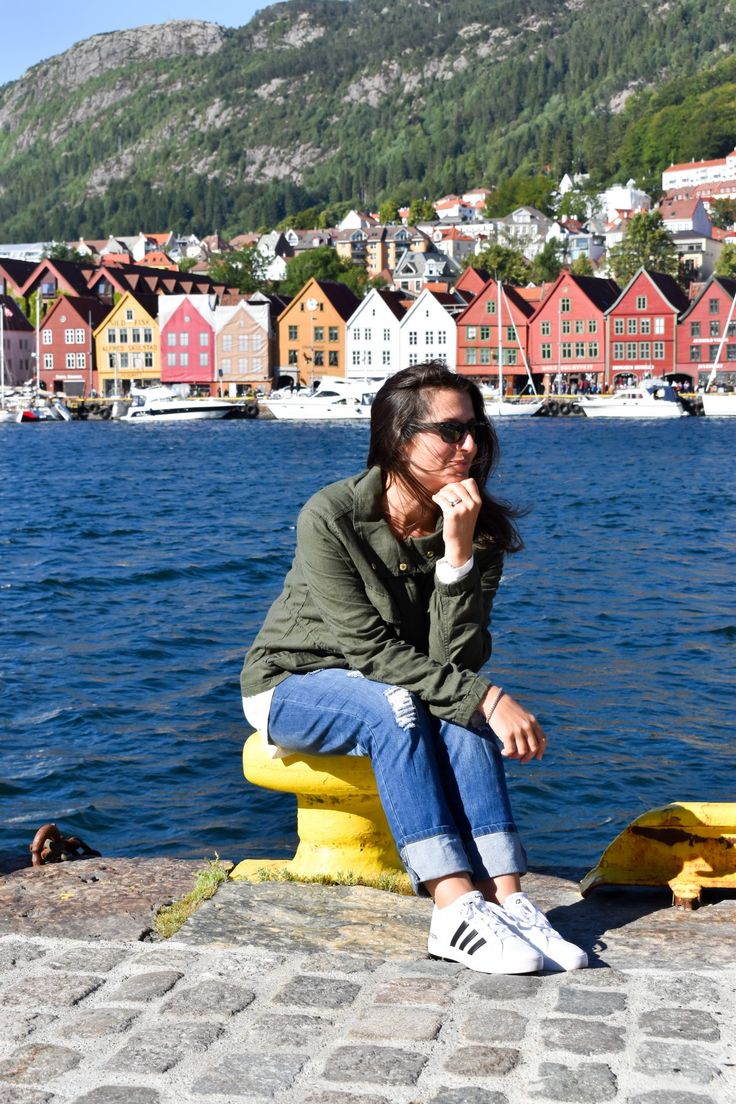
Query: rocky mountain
x=196 y=126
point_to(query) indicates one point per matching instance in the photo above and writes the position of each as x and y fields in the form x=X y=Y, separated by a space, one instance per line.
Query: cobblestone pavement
x=284 y=993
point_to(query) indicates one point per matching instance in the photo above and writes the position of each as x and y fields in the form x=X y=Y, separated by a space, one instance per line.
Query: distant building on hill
x=691 y=173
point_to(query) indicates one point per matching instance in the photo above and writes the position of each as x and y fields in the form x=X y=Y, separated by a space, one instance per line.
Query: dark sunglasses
x=452 y=433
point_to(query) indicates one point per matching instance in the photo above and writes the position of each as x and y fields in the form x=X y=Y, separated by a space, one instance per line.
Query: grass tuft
x=170 y=918
x=390 y=882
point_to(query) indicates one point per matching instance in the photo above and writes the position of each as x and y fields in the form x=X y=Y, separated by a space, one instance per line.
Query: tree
x=726 y=264
x=323 y=263
x=421 y=210
x=582 y=266
x=243 y=269
x=388 y=212
x=60 y=251
x=646 y=244
x=521 y=190
x=547 y=263
x=723 y=213
x=503 y=263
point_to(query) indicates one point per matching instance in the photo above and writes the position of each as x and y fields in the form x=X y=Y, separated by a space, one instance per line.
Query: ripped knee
x=402 y=705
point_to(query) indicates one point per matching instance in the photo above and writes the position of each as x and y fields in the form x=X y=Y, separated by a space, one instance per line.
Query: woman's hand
x=460 y=504
x=518 y=730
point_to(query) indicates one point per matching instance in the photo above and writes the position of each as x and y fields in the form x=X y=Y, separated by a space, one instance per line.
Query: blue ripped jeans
x=442 y=786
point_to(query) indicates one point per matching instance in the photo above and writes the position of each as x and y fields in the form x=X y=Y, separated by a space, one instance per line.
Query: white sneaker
x=531 y=924
x=478 y=935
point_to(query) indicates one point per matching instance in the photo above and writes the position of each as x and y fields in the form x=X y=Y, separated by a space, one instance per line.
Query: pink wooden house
x=187 y=335
x=642 y=328
x=567 y=335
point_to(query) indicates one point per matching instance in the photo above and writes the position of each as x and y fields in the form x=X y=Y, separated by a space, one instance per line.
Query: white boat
x=336 y=399
x=162 y=404
x=719 y=404
x=504 y=408
x=651 y=399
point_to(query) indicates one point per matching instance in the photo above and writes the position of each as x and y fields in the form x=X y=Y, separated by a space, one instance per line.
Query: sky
x=31 y=33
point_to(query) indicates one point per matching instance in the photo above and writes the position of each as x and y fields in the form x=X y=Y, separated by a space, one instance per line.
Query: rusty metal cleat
x=50 y=846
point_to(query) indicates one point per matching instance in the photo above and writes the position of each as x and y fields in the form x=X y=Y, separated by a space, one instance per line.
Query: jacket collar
x=416 y=555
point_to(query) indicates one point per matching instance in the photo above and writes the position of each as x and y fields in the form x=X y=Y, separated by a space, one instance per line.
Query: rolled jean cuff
x=435 y=857
x=497 y=853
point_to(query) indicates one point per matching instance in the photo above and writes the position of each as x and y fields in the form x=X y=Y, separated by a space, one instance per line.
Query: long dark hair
x=399 y=405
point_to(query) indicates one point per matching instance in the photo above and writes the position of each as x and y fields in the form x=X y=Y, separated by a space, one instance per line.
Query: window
x=413 y=359
x=356 y=358
x=227 y=343
x=593 y=326
x=695 y=352
x=442 y=338
x=204 y=360
x=386 y=357
x=509 y=356
x=579 y=326
x=69 y=337
x=592 y=350
x=356 y=333
x=490 y=306
x=485 y=356
x=46 y=337
x=256 y=366
x=386 y=334
x=641 y=302
x=471 y=356
x=695 y=329
x=82 y=361
x=225 y=366
x=713 y=353
x=546 y=329
x=485 y=333
x=471 y=333
x=631 y=325
x=319 y=333
x=659 y=350
x=293 y=334
x=618 y=350
x=645 y=325
x=125 y=360
x=546 y=351
x=170 y=338
x=137 y=361
x=631 y=350
x=565 y=305
x=566 y=350
x=123 y=336
x=333 y=358
x=171 y=360
x=242 y=366
x=204 y=337
x=659 y=325
x=135 y=335
x=292 y=356
x=147 y=336
x=714 y=329
x=579 y=350
x=257 y=342
x=714 y=306
x=369 y=335
x=129 y=315
x=732 y=329
x=112 y=360
x=48 y=360
x=319 y=358
x=184 y=360
x=618 y=325
x=429 y=337
x=566 y=326
x=243 y=343
x=510 y=333
x=731 y=352
x=333 y=333
x=79 y=334
x=413 y=338
x=111 y=336
x=645 y=350
x=184 y=339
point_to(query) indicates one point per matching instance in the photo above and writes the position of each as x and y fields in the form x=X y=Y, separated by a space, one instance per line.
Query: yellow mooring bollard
x=687 y=846
x=343 y=834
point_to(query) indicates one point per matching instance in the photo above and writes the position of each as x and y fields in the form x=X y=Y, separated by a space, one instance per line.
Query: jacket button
x=403 y=567
x=430 y=555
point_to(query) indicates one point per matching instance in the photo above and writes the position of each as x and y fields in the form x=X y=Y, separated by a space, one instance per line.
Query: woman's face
x=431 y=461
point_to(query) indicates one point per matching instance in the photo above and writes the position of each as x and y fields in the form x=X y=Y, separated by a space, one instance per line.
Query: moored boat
x=651 y=399
x=336 y=399
x=719 y=404
x=161 y=404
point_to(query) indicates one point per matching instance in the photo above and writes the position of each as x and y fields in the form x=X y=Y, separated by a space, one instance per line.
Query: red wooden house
x=567 y=335
x=642 y=328
x=706 y=335
x=187 y=335
x=479 y=340
x=68 y=360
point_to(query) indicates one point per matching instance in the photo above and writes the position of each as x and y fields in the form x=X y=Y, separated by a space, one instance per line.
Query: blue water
x=136 y=564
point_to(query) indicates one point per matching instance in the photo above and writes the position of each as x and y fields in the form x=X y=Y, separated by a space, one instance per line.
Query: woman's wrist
x=491 y=700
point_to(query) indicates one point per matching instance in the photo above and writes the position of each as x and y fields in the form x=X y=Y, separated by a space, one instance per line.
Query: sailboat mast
x=500 y=350
x=721 y=343
x=2 y=355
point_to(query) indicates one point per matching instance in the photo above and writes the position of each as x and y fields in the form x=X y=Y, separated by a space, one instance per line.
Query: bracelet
x=494 y=703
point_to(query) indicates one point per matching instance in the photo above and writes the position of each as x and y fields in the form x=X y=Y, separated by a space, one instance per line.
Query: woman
x=374 y=648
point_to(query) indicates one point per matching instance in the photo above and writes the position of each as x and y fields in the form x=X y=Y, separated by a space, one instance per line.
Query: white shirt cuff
x=446 y=573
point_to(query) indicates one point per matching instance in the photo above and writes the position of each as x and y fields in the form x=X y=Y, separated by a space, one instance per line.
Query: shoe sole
x=466 y=960
x=558 y=967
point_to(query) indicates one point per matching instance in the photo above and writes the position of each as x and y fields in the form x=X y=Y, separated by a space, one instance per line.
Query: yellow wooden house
x=127 y=345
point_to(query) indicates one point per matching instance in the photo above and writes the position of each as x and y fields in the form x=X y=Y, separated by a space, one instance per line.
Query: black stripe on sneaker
x=477 y=946
x=461 y=929
x=472 y=934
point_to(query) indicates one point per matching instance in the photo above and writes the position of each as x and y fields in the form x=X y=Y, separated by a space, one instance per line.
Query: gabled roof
x=86 y=307
x=394 y=302
x=726 y=283
x=678 y=208
x=340 y=296
x=16 y=272
x=71 y=274
x=668 y=288
x=15 y=320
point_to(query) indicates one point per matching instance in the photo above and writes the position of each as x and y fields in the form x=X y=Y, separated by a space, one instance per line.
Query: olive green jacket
x=357 y=598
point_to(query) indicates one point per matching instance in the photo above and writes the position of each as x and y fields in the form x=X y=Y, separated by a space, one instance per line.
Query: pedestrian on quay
x=374 y=648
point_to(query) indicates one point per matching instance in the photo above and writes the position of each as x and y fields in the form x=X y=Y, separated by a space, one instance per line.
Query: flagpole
x=38 y=340
x=2 y=356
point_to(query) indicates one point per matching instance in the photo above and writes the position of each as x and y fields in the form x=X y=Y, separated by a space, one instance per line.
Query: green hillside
x=320 y=101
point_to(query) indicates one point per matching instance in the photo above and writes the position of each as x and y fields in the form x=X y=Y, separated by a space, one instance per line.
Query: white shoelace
x=527 y=915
